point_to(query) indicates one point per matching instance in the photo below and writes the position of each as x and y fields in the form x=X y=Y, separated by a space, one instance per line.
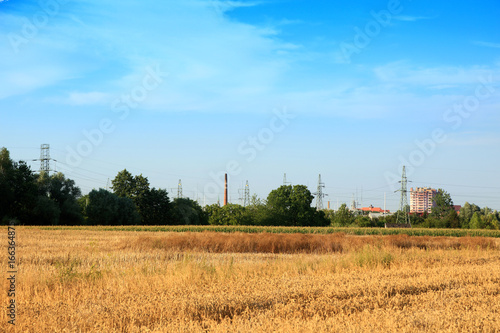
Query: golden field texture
x=115 y=281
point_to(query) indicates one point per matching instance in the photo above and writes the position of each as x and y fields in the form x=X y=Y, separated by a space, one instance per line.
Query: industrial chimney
x=225 y=190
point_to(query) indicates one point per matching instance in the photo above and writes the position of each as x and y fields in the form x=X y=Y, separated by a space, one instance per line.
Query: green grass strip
x=285 y=230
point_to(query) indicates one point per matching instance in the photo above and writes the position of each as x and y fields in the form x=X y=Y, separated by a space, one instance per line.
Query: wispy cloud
x=408 y=18
x=84 y=57
x=88 y=98
x=442 y=87
x=433 y=77
x=487 y=44
x=210 y=57
x=222 y=6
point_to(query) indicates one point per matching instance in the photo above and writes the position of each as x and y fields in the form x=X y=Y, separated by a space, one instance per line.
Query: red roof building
x=372 y=209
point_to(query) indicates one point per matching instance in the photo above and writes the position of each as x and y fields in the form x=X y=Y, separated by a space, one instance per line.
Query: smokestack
x=225 y=190
x=328 y=205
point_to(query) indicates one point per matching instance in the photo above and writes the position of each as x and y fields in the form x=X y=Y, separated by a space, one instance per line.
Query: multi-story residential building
x=422 y=199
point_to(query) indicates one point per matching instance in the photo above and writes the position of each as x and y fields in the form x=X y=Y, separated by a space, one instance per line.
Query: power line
x=461 y=170
x=468 y=186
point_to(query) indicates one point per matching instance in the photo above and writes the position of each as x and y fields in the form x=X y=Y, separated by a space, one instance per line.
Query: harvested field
x=112 y=281
x=298 y=243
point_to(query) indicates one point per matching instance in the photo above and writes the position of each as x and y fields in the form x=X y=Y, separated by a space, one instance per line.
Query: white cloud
x=85 y=56
x=210 y=58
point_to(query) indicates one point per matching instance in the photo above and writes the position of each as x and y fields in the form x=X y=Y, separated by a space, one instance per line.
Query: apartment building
x=422 y=199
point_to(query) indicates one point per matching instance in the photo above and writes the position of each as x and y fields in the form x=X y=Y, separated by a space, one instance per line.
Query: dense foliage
x=40 y=199
x=152 y=205
x=102 y=207
x=286 y=206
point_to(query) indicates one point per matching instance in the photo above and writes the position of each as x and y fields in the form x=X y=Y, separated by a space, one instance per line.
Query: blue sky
x=191 y=89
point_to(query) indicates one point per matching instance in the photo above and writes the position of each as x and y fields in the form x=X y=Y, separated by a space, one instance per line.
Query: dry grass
x=214 y=242
x=95 y=281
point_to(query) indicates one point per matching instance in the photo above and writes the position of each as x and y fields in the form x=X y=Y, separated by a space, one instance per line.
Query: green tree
x=65 y=194
x=6 y=182
x=452 y=220
x=133 y=187
x=46 y=212
x=477 y=222
x=364 y=221
x=18 y=191
x=443 y=204
x=291 y=206
x=343 y=217
x=187 y=212
x=83 y=202
x=329 y=215
x=124 y=184
x=492 y=221
x=417 y=220
x=258 y=213
x=231 y=214
x=106 y=208
x=255 y=201
x=153 y=205
x=466 y=213
x=486 y=211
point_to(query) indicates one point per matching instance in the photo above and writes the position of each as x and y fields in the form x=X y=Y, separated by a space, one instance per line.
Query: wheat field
x=116 y=281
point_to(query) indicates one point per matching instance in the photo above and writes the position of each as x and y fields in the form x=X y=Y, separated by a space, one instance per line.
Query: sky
x=189 y=90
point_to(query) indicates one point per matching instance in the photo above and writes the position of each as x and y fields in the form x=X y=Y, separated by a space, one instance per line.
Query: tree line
x=40 y=199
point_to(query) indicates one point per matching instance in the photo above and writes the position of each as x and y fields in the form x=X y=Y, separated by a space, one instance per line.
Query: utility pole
x=403 y=217
x=383 y=214
x=179 y=190
x=319 y=194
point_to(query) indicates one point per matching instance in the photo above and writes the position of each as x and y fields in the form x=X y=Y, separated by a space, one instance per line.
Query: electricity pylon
x=284 y=180
x=246 y=200
x=319 y=194
x=403 y=214
x=45 y=159
x=179 y=190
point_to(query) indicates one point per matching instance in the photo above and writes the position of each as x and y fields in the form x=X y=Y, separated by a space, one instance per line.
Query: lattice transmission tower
x=246 y=196
x=179 y=189
x=319 y=194
x=45 y=159
x=284 y=180
x=403 y=213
